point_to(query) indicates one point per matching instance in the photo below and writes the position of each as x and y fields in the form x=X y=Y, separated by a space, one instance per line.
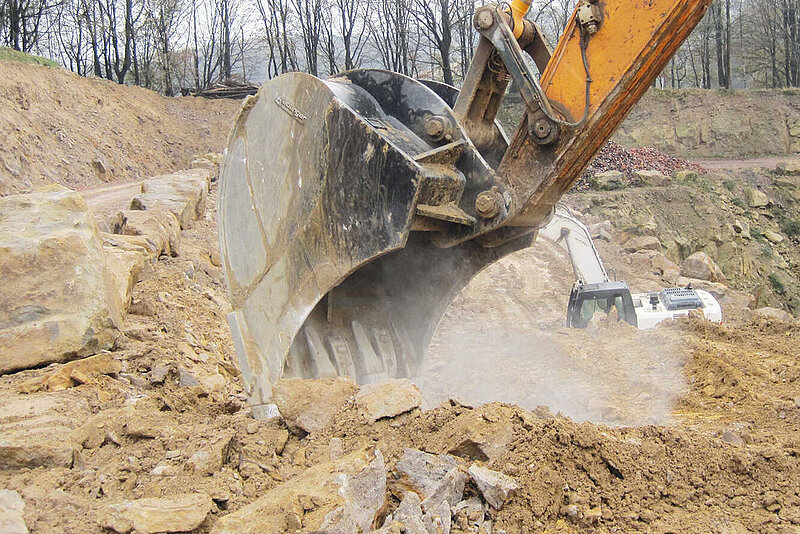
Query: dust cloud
x=613 y=375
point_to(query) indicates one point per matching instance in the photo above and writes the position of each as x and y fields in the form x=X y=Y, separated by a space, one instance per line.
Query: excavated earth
x=690 y=427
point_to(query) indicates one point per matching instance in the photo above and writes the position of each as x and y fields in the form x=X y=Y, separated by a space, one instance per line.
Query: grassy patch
x=739 y=203
x=756 y=234
x=729 y=184
x=766 y=251
x=776 y=283
x=8 y=54
x=791 y=227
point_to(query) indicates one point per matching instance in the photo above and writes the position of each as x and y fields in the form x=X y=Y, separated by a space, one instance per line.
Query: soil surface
x=690 y=427
x=58 y=127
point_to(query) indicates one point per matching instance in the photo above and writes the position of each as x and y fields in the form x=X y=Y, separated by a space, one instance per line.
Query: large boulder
x=58 y=299
x=339 y=497
x=700 y=265
x=183 y=193
x=310 y=405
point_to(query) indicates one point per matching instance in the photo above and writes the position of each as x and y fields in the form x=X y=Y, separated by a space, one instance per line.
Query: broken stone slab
x=341 y=497
x=608 y=180
x=641 y=243
x=421 y=472
x=653 y=178
x=477 y=435
x=107 y=204
x=180 y=513
x=57 y=299
x=182 y=193
x=409 y=514
x=773 y=237
x=388 y=399
x=11 y=508
x=439 y=520
x=35 y=430
x=700 y=265
x=756 y=199
x=310 y=405
x=495 y=487
x=74 y=373
x=775 y=313
x=161 y=228
x=210 y=459
x=125 y=268
x=686 y=176
x=450 y=490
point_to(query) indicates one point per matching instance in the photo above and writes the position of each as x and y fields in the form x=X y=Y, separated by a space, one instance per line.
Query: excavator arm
x=352 y=210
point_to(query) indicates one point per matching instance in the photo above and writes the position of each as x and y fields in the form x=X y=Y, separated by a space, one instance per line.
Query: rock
x=439 y=520
x=773 y=237
x=789 y=168
x=310 y=405
x=179 y=513
x=74 y=373
x=495 y=487
x=186 y=379
x=265 y=412
x=642 y=242
x=653 y=178
x=469 y=514
x=450 y=490
x=210 y=459
x=388 y=399
x=474 y=437
x=756 y=199
x=182 y=193
x=409 y=514
x=729 y=436
x=422 y=472
x=159 y=373
x=100 y=165
x=741 y=228
x=35 y=430
x=700 y=265
x=161 y=228
x=661 y=264
x=339 y=497
x=125 y=267
x=774 y=313
x=11 y=508
x=686 y=176
x=597 y=230
x=608 y=180
x=57 y=301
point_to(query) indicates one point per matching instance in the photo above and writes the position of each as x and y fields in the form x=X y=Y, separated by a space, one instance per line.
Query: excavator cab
x=352 y=210
x=585 y=300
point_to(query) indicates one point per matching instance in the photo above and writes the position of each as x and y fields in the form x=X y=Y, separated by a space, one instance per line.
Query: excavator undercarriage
x=353 y=209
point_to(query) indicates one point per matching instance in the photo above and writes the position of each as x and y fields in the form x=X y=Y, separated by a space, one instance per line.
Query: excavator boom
x=352 y=210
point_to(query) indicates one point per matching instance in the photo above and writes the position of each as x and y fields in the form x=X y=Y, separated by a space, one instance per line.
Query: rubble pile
x=615 y=157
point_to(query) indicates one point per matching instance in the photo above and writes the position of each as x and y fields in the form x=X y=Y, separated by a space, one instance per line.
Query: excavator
x=594 y=292
x=352 y=210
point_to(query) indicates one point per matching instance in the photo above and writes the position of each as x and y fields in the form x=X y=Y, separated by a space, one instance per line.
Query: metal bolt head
x=591 y=28
x=434 y=126
x=484 y=19
x=487 y=205
x=542 y=128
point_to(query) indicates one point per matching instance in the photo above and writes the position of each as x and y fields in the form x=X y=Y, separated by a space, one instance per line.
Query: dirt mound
x=58 y=127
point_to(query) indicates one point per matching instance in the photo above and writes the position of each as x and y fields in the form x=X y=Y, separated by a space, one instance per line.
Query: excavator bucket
x=352 y=210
